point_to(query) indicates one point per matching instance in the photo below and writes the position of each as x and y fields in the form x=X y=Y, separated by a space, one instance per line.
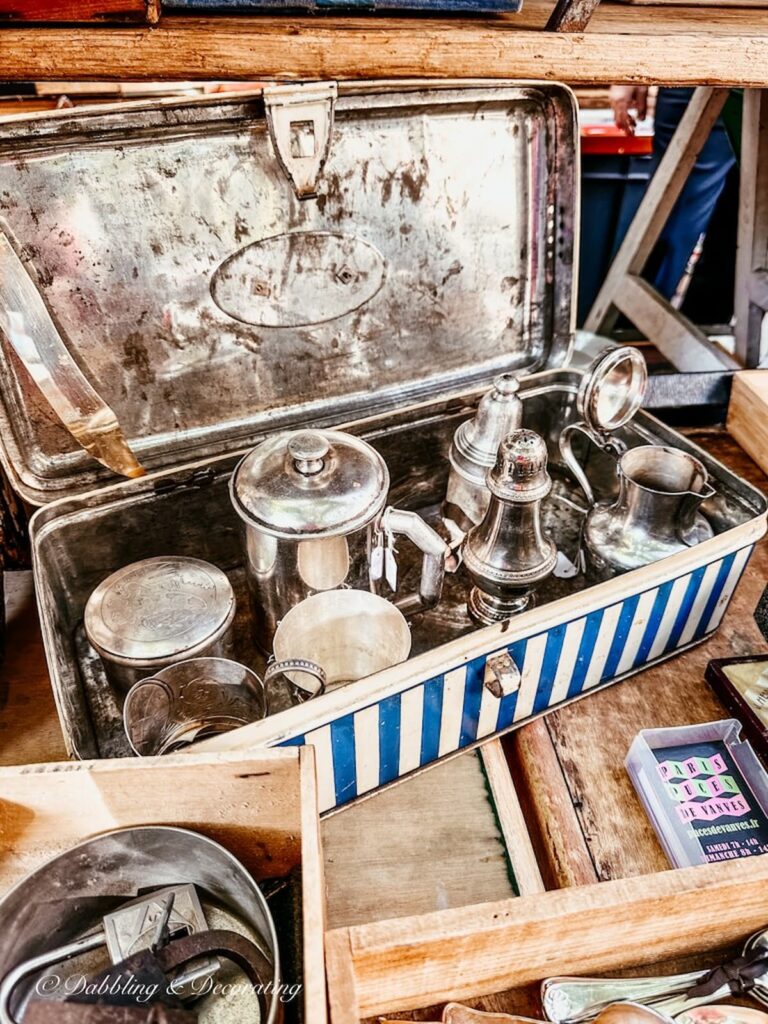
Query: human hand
x=622 y=99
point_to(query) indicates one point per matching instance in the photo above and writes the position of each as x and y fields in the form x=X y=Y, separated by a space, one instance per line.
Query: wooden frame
x=623 y=290
x=393 y=966
x=268 y=820
x=752 y=247
x=623 y=44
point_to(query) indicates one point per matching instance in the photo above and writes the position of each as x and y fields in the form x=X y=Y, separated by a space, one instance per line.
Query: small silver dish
x=157 y=612
x=189 y=701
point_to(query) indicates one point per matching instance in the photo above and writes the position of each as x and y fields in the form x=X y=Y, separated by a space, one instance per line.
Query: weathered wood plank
x=77 y=11
x=458 y=954
x=684 y=344
x=730 y=47
x=376 y=851
x=748 y=414
x=563 y=856
x=751 y=296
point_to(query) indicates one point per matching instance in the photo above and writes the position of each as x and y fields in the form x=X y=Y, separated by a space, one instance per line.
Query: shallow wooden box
x=391 y=967
x=261 y=807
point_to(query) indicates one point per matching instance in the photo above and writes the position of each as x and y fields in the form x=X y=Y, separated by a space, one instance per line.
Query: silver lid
x=476 y=441
x=520 y=473
x=613 y=388
x=159 y=609
x=310 y=483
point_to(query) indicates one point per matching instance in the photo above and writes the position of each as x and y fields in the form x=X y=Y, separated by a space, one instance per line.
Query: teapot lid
x=310 y=483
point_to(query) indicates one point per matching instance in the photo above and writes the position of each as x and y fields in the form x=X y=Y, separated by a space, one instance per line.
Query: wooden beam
x=657 y=203
x=751 y=297
x=730 y=48
x=464 y=953
x=684 y=345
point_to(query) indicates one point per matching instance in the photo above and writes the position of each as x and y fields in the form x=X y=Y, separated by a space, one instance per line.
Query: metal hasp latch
x=300 y=123
x=502 y=676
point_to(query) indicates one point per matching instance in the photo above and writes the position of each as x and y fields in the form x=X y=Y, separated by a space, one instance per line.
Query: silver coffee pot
x=314 y=507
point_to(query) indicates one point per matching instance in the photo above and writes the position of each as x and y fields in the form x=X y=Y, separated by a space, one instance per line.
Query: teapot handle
x=436 y=552
x=605 y=442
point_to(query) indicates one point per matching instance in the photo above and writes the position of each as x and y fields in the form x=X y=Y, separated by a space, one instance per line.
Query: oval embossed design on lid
x=310 y=483
x=158 y=609
x=298 y=279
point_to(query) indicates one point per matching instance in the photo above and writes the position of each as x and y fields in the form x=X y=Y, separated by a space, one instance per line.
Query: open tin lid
x=190 y=275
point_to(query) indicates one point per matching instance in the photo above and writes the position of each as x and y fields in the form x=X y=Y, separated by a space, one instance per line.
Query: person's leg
x=694 y=208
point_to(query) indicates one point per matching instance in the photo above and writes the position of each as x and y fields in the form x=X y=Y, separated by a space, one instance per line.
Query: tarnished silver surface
x=210 y=306
x=474 y=449
x=312 y=503
x=158 y=611
x=508 y=554
x=79 y=541
x=29 y=329
x=190 y=700
x=68 y=897
x=655 y=514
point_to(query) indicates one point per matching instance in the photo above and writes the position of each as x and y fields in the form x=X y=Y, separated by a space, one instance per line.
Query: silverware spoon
x=574 y=1000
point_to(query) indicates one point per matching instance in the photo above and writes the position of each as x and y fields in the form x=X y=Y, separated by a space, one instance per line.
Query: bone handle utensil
x=572 y=1000
x=34 y=337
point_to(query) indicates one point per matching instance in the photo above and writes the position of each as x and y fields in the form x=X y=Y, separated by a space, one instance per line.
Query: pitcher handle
x=605 y=442
x=304 y=665
x=436 y=552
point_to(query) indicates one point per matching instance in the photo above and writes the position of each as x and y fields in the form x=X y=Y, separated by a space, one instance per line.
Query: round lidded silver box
x=156 y=612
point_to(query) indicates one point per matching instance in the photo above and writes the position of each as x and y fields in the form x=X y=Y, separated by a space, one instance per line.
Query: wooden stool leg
x=623 y=290
x=751 y=300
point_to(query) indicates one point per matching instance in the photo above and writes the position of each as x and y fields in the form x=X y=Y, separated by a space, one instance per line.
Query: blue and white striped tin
x=411 y=716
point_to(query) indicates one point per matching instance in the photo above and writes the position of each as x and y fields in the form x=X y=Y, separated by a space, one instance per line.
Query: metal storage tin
x=211 y=306
x=156 y=612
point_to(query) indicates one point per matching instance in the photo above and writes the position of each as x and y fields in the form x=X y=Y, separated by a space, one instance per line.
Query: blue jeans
x=696 y=203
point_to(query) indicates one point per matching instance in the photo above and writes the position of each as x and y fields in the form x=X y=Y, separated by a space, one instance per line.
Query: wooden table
x=582 y=812
x=685 y=45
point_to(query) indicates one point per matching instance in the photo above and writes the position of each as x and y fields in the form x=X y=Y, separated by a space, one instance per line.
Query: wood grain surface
x=670 y=45
x=592 y=737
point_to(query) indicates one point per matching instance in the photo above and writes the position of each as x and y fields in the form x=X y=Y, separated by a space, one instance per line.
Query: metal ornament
x=313 y=504
x=509 y=554
x=474 y=449
x=610 y=394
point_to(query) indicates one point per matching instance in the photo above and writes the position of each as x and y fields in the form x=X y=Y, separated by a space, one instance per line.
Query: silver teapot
x=314 y=507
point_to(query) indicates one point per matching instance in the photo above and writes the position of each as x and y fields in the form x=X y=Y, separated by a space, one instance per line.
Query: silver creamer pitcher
x=314 y=507
x=655 y=514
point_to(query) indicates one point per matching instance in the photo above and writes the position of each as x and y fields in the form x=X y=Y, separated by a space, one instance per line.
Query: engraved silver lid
x=310 y=483
x=158 y=610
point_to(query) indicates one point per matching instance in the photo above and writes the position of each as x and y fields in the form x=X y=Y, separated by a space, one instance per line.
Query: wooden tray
x=261 y=807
